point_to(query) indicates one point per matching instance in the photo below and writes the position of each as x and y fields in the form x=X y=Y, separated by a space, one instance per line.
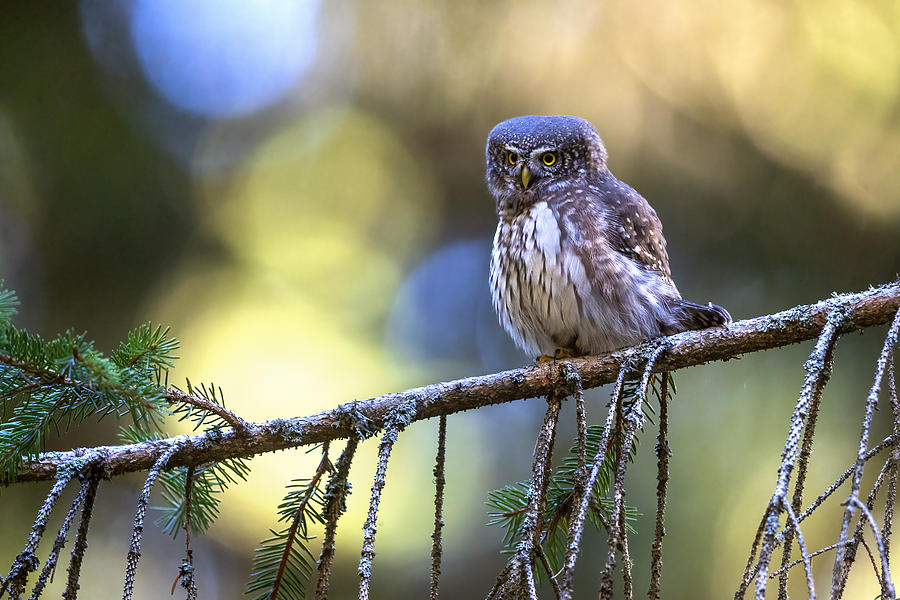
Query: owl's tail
x=690 y=315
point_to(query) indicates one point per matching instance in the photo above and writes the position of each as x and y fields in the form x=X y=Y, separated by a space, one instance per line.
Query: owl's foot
x=560 y=354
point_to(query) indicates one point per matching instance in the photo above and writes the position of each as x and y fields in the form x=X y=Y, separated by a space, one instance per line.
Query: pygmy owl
x=579 y=263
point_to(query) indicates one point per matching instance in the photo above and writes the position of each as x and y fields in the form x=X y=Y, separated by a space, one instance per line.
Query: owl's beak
x=526 y=176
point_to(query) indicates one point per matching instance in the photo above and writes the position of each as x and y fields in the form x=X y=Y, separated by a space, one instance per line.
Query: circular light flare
x=224 y=58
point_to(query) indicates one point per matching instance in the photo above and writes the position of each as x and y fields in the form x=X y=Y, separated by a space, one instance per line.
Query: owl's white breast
x=537 y=285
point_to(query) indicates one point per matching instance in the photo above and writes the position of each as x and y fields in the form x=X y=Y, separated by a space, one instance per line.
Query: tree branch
x=873 y=307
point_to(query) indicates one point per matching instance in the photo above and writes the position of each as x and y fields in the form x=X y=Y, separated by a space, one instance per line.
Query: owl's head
x=528 y=157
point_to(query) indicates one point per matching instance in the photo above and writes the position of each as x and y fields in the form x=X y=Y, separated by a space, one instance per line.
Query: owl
x=579 y=263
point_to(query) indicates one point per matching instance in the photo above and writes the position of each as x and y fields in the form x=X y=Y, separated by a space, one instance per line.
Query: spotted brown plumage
x=579 y=263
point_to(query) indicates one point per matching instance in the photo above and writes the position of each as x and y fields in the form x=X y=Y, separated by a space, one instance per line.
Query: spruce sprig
x=283 y=564
x=46 y=386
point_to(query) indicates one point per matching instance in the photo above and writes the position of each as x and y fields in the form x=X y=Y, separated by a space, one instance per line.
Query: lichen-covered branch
x=861 y=310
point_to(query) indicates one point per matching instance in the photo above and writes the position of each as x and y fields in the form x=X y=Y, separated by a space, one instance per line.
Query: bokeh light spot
x=224 y=58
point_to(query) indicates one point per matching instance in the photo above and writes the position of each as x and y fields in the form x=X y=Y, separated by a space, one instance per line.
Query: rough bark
x=865 y=309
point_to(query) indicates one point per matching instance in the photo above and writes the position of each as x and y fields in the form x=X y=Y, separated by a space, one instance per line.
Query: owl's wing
x=634 y=229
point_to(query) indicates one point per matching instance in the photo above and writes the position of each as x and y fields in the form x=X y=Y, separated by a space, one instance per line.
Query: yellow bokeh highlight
x=320 y=224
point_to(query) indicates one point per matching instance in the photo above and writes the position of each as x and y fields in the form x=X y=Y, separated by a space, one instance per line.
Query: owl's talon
x=545 y=358
x=563 y=353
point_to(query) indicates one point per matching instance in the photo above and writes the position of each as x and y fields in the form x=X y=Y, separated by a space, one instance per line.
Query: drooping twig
x=59 y=543
x=517 y=579
x=370 y=526
x=439 y=481
x=575 y=387
x=690 y=348
x=662 y=479
x=751 y=569
x=857 y=538
x=134 y=550
x=885 y=569
x=336 y=492
x=895 y=467
x=80 y=545
x=841 y=569
x=844 y=476
x=802 y=464
x=581 y=502
x=817 y=368
x=632 y=419
x=26 y=561
x=793 y=564
x=539 y=550
x=186 y=570
x=794 y=524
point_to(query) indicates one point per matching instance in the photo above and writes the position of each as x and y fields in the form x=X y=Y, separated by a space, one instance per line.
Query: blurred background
x=296 y=188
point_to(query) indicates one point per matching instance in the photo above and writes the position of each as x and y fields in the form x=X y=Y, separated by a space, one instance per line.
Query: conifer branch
x=861 y=310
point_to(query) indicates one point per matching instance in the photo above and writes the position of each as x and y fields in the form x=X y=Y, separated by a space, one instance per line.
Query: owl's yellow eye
x=512 y=157
x=548 y=159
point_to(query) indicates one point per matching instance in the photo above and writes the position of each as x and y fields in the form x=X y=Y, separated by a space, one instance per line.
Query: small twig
x=26 y=561
x=662 y=478
x=80 y=544
x=174 y=395
x=186 y=570
x=539 y=550
x=439 y=481
x=793 y=564
x=895 y=457
x=370 y=527
x=749 y=570
x=336 y=492
x=844 y=476
x=874 y=564
x=885 y=569
x=574 y=384
x=839 y=572
x=804 y=553
x=853 y=543
x=134 y=551
x=628 y=581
